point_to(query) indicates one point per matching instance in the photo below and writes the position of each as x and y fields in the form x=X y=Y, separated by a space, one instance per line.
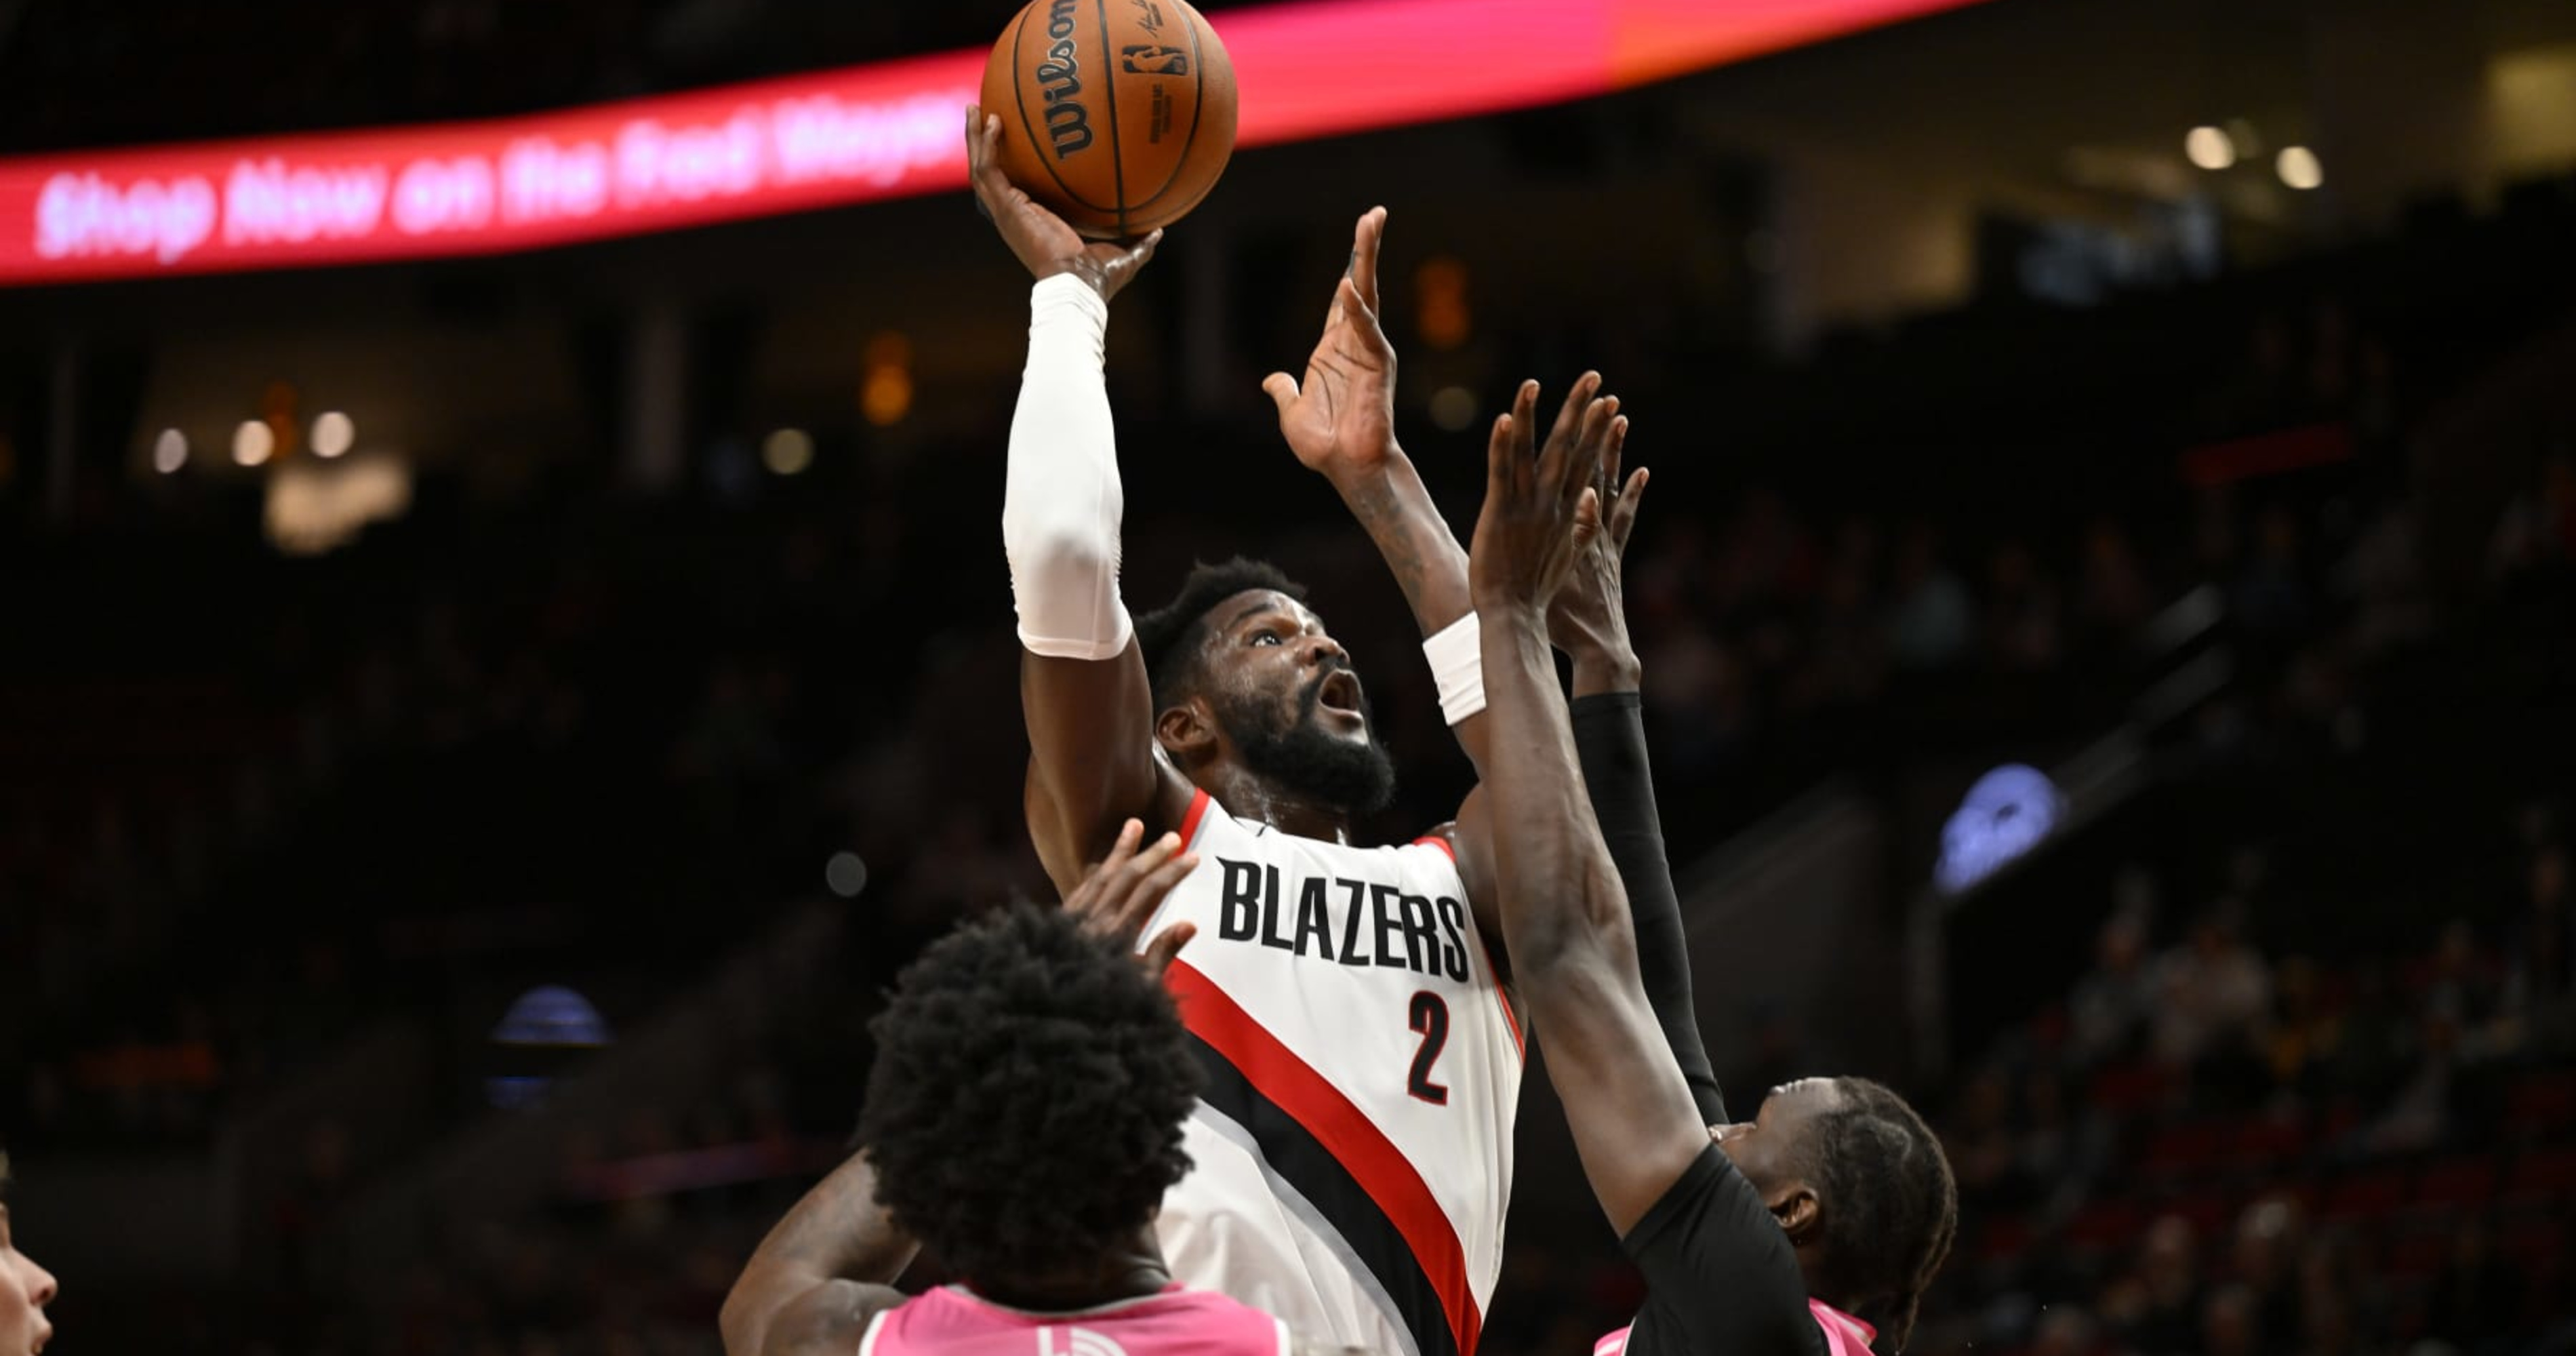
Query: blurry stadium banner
x=793 y=144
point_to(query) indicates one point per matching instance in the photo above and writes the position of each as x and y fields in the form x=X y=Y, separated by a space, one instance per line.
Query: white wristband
x=1457 y=656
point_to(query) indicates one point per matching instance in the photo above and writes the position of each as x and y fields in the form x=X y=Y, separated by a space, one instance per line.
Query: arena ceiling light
x=2210 y=148
x=855 y=135
x=2299 y=168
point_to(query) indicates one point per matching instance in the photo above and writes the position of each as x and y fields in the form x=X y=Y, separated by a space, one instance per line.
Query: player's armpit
x=1092 y=764
x=1471 y=840
x=827 y=1320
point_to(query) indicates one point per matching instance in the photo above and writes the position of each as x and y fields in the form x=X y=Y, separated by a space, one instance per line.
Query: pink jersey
x=1178 y=1322
x=1844 y=1334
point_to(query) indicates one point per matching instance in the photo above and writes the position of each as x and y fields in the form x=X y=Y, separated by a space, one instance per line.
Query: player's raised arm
x=1083 y=687
x=1340 y=421
x=1588 y=621
x=1563 y=910
x=821 y=1273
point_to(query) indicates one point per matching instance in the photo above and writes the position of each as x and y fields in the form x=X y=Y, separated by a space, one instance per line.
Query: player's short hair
x=1024 y=1114
x=1170 y=636
x=1891 y=1206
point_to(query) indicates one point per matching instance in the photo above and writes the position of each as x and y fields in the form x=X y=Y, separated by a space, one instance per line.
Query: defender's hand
x=1039 y=237
x=1341 y=421
x=1540 y=510
x=1118 y=897
x=1589 y=615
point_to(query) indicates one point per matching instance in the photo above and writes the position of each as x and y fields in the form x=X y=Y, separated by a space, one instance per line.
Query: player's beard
x=1297 y=755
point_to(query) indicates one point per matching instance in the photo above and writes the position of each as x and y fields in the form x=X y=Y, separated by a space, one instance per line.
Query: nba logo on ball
x=1118 y=115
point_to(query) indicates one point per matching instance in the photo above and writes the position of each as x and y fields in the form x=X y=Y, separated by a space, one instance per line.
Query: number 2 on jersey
x=1430 y=1020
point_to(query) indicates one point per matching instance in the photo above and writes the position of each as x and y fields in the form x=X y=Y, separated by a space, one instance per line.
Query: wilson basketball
x=1118 y=114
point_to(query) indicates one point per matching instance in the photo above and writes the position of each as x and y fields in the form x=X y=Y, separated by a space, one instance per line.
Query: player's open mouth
x=1340 y=693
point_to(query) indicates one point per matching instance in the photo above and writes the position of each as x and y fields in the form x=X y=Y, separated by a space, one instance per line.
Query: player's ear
x=1186 y=730
x=1799 y=1213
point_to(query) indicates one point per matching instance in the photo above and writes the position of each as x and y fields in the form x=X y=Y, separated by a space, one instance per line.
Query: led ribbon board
x=889 y=129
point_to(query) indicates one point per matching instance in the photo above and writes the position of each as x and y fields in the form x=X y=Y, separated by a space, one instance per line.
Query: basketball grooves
x=1038 y=149
x=1198 y=114
x=1109 y=82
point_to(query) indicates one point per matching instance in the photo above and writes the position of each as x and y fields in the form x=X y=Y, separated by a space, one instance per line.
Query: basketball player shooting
x=1756 y=1237
x=1023 y=1119
x=1339 y=423
x=1352 y=1143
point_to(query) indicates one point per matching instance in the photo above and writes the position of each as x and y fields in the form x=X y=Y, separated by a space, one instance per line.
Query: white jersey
x=1353 y=1142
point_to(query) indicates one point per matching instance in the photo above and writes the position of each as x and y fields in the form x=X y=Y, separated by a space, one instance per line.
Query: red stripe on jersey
x=1190 y=820
x=1511 y=1019
x=1344 y=1130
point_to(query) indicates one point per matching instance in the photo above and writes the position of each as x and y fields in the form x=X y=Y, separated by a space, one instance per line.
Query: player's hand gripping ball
x=1118 y=115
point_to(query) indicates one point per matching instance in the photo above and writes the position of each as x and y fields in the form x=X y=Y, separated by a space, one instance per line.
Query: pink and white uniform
x=1844 y=1334
x=950 y=1321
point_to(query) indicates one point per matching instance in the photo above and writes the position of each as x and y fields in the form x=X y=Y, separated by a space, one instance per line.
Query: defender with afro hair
x=1025 y=1109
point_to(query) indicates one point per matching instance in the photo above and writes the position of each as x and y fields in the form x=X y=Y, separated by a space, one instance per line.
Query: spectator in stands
x=2536 y=533
x=2022 y=622
x=2339 y=1311
x=2271 y=597
x=2227 y=1323
x=2063 y=1150
x=2381 y=579
x=2210 y=990
x=2299 y=1038
x=1701 y=687
x=2159 y=1304
x=1930 y=620
x=2421 y=1115
x=2476 y=1303
x=2113 y=596
x=2268 y=1239
x=1845 y=659
x=2066 y=1330
x=1982 y=1145
x=1768 y=559
x=2110 y=1004
x=2540 y=977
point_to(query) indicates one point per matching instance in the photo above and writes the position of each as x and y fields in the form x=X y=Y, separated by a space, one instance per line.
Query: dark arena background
x=504 y=652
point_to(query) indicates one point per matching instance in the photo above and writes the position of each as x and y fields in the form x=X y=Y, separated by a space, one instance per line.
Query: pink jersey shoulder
x=1844 y=1334
x=1178 y=1322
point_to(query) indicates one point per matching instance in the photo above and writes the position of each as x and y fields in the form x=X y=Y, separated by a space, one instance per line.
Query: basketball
x=1117 y=114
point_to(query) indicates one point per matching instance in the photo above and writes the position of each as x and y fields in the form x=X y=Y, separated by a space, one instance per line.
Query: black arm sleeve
x=1610 y=738
x=1721 y=1279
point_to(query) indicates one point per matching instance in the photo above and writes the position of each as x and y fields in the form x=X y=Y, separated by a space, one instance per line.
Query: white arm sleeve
x=1061 y=502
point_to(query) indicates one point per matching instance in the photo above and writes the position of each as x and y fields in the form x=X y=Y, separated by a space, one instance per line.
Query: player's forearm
x=1563 y=899
x=1395 y=509
x=1393 y=506
x=1605 y=665
x=1610 y=738
x=837 y=1232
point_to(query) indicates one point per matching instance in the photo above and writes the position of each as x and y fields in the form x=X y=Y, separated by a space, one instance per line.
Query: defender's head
x=1862 y=1187
x=25 y=1289
x=1243 y=672
x=1024 y=1114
